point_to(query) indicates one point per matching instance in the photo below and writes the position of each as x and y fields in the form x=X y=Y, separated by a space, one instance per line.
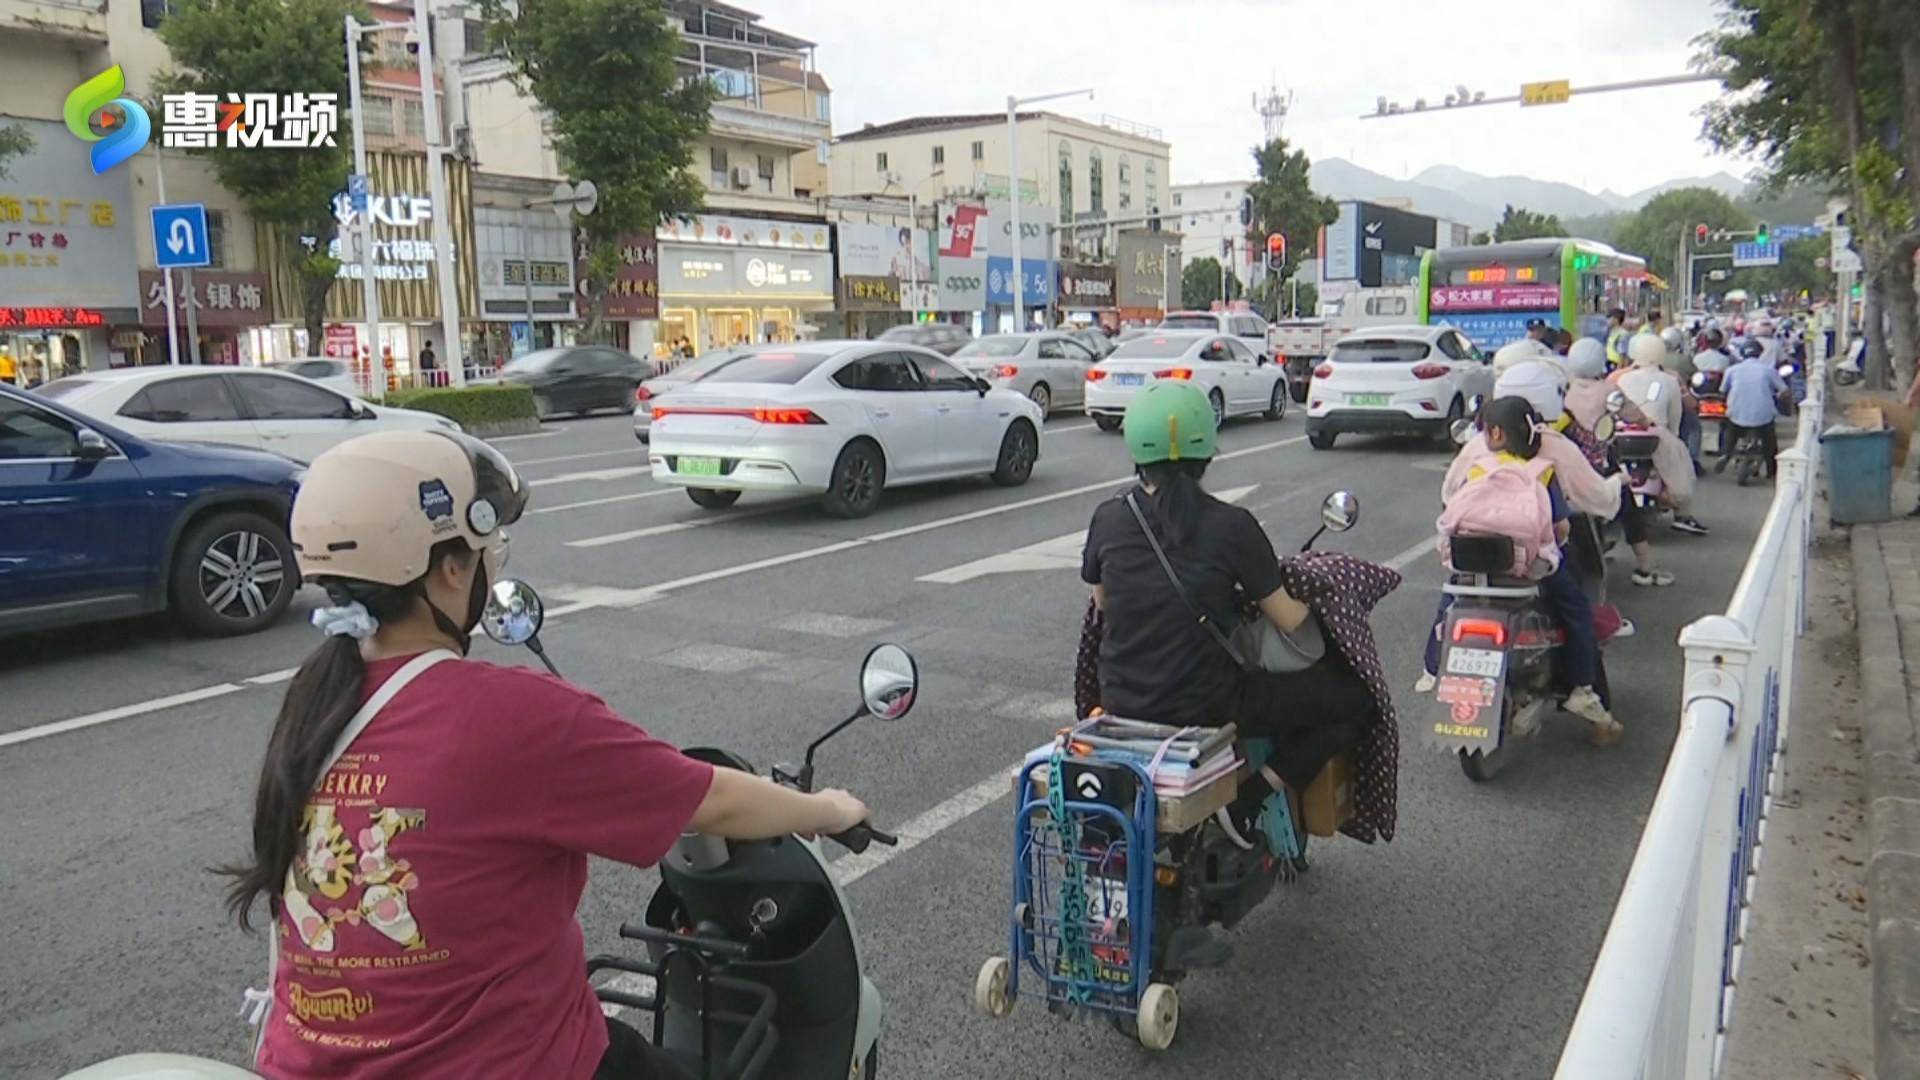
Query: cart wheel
x=1159 y=1016
x=990 y=988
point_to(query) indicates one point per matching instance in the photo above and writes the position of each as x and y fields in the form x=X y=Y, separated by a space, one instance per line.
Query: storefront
x=885 y=272
x=869 y=305
x=1035 y=297
x=1087 y=294
x=229 y=310
x=733 y=280
x=526 y=280
x=68 y=279
x=632 y=303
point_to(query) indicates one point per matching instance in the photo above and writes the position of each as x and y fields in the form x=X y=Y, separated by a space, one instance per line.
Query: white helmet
x=1763 y=328
x=1647 y=350
x=1518 y=352
x=1543 y=384
x=1675 y=339
x=1587 y=359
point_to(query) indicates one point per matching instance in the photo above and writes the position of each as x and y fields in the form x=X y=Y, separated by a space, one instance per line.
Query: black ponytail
x=322 y=698
x=1177 y=498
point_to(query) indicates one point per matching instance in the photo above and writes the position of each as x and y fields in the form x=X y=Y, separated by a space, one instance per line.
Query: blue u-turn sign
x=180 y=236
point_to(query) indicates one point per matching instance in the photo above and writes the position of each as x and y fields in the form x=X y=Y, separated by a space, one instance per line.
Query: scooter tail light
x=1487 y=629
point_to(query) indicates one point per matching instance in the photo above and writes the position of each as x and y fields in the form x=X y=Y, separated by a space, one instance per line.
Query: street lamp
x=1013 y=192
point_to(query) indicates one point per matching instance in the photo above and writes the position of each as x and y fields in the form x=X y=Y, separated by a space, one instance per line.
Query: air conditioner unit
x=742 y=177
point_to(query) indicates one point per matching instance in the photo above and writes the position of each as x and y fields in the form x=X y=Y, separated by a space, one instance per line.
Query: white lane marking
x=123 y=712
x=1413 y=555
x=672 y=527
x=601 y=502
x=271 y=677
x=642 y=451
x=826 y=624
x=532 y=435
x=925 y=827
x=626 y=982
x=620 y=473
x=1059 y=553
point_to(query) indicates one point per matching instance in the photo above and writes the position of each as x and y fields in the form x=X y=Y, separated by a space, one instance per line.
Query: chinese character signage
x=251 y=120
x=1145 y=265
x=1495 y=298
x=68 y=237
x=635 y=292
x=217 y=298
x=727 y=231
x=1084 y=286
x=49 y=318
x=869 y=293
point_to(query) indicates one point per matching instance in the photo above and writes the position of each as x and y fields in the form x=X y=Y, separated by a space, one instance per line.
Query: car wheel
x=712 y=498
x=1019 y=449
x=1321 y=440
x=232 y=574
x=1277 y=405
x=1299 y=389
x=1455 y=413
x=1107 y=423
x=1219 y=403
x=858 y=476
x=1042 y=397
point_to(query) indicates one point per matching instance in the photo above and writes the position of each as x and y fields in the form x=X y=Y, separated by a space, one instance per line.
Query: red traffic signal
x=1699 y=236
x=1276 y=251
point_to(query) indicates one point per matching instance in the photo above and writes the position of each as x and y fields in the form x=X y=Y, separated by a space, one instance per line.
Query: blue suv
x=98 y=524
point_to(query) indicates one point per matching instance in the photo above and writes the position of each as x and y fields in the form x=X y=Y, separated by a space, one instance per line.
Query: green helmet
x=1169 y=421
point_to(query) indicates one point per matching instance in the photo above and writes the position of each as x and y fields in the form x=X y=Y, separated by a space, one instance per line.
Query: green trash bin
x=1859 y=475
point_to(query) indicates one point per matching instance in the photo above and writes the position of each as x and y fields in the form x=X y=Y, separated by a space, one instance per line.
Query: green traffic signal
x=1761 y=236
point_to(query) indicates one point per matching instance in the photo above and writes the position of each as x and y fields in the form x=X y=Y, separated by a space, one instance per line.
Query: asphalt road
x=1458 y=950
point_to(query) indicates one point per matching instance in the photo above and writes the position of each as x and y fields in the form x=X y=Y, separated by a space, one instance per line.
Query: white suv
x=1250 y=328
x=1396 y=380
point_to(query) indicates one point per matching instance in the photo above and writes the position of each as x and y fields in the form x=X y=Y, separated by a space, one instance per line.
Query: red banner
x=1495 y=298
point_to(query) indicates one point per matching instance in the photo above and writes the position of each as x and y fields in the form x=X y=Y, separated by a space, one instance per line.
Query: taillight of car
x=641 y=393
x=1005 y=371
x=1430 y=371
x=1174 y=373
x=1095 y=374
x=787 y=416
x=759 y=416
x=1324 y=371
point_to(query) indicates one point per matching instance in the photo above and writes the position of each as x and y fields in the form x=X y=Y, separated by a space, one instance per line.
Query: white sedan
x=335 y=375
x=242 y=406
x=1237 y=380
x=840 y=418
x=1405 y=380
x=1050 y=367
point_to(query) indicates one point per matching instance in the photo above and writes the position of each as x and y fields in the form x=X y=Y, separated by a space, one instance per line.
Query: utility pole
x=442 y=208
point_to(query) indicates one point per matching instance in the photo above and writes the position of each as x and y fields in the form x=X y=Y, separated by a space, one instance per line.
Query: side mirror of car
x=92 y=445
x=982 y=386
x=363 y=411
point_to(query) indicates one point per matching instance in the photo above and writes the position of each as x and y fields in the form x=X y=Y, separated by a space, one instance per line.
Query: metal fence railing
x=1661 y=992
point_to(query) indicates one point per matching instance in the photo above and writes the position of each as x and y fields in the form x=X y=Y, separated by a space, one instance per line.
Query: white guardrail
x=1661 y=992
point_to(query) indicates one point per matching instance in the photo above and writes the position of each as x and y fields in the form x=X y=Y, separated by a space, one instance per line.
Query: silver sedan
x=1049 y=367
x=682 y=373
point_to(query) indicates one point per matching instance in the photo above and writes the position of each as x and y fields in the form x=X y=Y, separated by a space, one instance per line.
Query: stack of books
x=1193 y=759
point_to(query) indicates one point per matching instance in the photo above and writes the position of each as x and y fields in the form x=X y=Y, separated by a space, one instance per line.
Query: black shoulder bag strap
x=1186 y=598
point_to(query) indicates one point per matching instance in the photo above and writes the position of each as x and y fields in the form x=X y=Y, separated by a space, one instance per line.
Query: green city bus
x=1491 y=292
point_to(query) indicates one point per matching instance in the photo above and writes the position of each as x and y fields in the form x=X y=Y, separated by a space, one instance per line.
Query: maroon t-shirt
x=428 y=926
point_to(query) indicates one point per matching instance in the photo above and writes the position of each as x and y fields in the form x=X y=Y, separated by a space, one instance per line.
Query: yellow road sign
x=1546 y=93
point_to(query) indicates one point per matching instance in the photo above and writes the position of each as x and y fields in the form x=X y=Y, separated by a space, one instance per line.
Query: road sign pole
x=166 y=275
x=193 y=321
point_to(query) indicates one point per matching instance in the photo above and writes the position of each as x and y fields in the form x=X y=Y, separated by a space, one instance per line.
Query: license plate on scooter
x=1486 y=663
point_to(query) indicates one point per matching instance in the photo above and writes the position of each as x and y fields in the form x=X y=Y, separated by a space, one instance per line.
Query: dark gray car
x=577 y=379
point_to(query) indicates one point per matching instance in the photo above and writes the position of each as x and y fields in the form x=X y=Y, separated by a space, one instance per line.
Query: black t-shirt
x=1157 y=662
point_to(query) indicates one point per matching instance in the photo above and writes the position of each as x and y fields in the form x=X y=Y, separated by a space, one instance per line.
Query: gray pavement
x=1458 y=950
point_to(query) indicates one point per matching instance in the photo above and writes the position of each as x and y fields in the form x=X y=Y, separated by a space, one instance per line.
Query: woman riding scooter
x=423 y=821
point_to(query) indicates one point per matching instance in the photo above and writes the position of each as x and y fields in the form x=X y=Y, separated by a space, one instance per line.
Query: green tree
x=1521 y=224
x=622 y=116
x=274 y=47
x=1284 y=202
x=1200 y=283
x=14 y=141
x=1670 y=217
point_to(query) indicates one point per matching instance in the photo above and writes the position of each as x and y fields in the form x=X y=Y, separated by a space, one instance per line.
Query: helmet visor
x=495 y=485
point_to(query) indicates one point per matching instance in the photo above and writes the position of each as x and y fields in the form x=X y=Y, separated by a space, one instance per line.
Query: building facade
x=1209 y=221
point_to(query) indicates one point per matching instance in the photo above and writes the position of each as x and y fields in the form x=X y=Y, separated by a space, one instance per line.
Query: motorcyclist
x=1587 y=401
x=1713 y=357
x=1662 y=398
x=1754 y=388
x=428 y=881
x=1521 y=351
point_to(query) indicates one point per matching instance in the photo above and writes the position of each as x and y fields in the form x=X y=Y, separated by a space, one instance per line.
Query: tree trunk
x=1902 y=22
x=1873 y=324
x=1902 y=315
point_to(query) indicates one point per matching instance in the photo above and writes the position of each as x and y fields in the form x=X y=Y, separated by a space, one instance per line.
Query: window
x=28 y=433
x=1126 y=172
x=1241 y=354
x=998 y=345
x=1217 y=351
x=880 y=161
x=765 y=164
x=1126 y=199
x=270 y=397
x=940 y=375
x=979 y=150
x=717 y=166
x=200 y=399
x=1451 y=346
x=1190 y=322
x=1096 y=193
x=823 y=108
x=1073 y=350
x=1386 y=305
x=782 y=366
x=154 y=12
x=1380 y=351
x=216 y=239
x=1050 y=350
x=939 y=155
x=885 y=372
x=1066 y=182
x=378 y=110
x=413 y=116
x=476 y=37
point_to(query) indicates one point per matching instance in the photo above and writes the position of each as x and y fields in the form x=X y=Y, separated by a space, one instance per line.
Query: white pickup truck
x=1300 y=344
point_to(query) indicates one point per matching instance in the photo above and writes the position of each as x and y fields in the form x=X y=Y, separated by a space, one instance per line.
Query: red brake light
x=1324 y=371
x=758 y=416
x=1095 y=374
x=1005 y=371
x=1491 y=629
x=641 y=393
x=1430 y=371
x=1174 y=373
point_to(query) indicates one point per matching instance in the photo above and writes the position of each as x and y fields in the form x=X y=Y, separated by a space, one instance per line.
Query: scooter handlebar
x=860 y=836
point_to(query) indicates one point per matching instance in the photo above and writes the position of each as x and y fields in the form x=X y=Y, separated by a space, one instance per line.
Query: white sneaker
x=1425 y=683
x=1585 y=704
x=1627 y=629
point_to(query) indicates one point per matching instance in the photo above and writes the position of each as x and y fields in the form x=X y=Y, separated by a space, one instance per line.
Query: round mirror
x=513 y=613
x=889 y=681
x=1699 y=378
x=1603 y=427
x=1786 y=371
x=1341 y=511
x=1462 y=432
x=1474 y=404
x=1616 y=401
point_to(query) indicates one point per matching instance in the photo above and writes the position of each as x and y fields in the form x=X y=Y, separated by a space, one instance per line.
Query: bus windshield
x=1494 y=292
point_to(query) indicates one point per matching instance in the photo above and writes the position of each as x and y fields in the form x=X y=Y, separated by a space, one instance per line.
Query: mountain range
x=1460 y=195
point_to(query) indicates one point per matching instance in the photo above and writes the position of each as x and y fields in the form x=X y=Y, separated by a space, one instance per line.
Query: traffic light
x=1763 y=235
x=1246 y=211
x=1700 y=235
x=1226 y=249
x=1276 y=252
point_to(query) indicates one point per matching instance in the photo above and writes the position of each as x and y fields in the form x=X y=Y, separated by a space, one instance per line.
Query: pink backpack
x=1509 y=500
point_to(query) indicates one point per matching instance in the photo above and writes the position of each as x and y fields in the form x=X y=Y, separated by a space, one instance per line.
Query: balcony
x=58 y=20
x=743 y=121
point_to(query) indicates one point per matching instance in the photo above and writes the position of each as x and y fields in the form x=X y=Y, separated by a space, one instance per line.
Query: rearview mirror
x=889 y=681
x=363 y=411
x=92 y=445
x=1341 y=511
x=1616 y=401
x=1603 y=427
x=1462 y=432
x=513 y=614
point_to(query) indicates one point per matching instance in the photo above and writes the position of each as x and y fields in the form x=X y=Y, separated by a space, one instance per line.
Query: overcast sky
x=1190 y=68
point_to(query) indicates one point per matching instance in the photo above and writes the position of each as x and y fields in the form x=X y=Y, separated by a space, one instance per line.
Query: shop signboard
x=504 y=267
x=1037 y=281
x=800 y=274
x=341 y=342
x=217 y=298
x=962 y=285
x=721 y=230
x=1145 y=264
x=635 y=292
x=883 y=251
x=68 y=236
x=1084 y=287
x=866 y=293
x=973 y=229
x=705 y=273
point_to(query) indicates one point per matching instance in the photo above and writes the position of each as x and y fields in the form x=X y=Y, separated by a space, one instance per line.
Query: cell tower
x=1273 y=110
